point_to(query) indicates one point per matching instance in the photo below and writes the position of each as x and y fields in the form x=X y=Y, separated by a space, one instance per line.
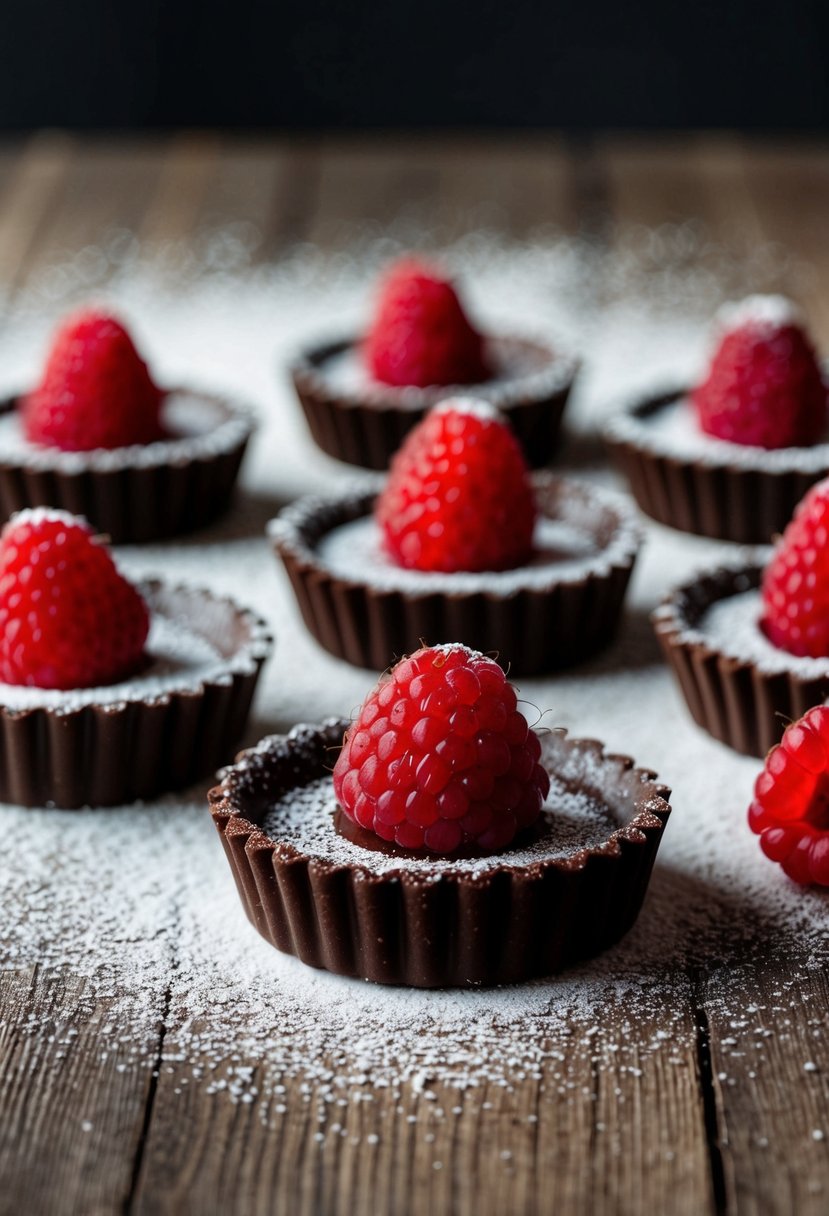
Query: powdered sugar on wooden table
x=140 y=902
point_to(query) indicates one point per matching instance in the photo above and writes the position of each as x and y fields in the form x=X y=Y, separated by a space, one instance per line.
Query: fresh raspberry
x=458 y=495
x=764 y=385
x=420 y=334
x=95 y=392
x=790 y=812
x=68 y=619
x=796 y=581
x=440 y=758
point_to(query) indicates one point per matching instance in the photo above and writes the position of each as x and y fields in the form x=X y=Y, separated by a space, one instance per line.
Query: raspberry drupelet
x=764 y=385
x=440 y=757
x=459 y=495
x=68 y=619
x=796 y=581
x=420 y=334
x=95 y=392
x=790 y=811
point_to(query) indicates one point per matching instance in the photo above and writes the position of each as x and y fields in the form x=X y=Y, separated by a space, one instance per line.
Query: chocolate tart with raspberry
x=363 y=422
x=362 y=395
x=738 y=686
x=558 y=609
x=748 y=641
x=726 y=471
x=139 y=493
x=126 y=692
x=98 y=438
x=317 y=884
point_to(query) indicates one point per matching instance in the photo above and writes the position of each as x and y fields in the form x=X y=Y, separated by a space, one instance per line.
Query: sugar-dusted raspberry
x=764 y=385
x=795 y=587
x=420 y=334
x=96 y=391
x=440 y=758
x=790 y=811
x=68 y=619
x=459 y=495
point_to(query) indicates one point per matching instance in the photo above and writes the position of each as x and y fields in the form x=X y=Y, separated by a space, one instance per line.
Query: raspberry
x=68 y=619
x=458 y=496
x=764 y=386
x=420 y=334
x=790 y=812
x=795 y=587
x=95 y=392
x=440 y=758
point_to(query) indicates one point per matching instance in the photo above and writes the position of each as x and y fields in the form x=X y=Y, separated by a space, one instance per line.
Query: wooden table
x=733 y=1148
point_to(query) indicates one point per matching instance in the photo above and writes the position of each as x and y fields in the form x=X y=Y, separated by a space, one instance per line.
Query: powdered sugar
x=572 y=541
x=732 y=626
x=139 y=902
x=529 y=366
x=772 y=312
x=201 y=426
x=304 y=820
x=672 y=430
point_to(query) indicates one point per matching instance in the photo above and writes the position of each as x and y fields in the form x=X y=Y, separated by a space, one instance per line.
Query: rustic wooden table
x=733 y=1147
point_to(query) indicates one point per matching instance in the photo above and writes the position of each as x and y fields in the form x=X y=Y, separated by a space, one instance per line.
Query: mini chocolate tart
x=697 y=483
x=573 y=889
x=363 y=422
x=554 y=612
x=173 y=723
x=140 y=493
x=739 y=687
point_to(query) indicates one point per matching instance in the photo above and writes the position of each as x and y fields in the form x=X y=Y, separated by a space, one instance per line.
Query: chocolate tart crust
x=532 y=629
x=117 y=752
x=502 y=925
x=723 y=501
x=367 y=429
x=132 y=501
x=733 y=699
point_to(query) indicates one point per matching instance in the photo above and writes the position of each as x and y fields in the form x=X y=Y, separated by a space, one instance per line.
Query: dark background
x=404 y=64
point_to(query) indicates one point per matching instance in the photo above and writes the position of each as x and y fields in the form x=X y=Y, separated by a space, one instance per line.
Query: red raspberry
x=796 y=581
x=440 y=757
x=790 y=812
x=68 y=619
x=420 y=334
x=96 y=391
x=764 y=385
x=458 y=496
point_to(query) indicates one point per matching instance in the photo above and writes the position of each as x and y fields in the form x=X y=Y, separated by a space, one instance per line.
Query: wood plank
x=73 y=1099
x=29 y=202
x=612 y=1124
x=770 y=1072
x=789 y=184
x=433 y=191
x=101 y=199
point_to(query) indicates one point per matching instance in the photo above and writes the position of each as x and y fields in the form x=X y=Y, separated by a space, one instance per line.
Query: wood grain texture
x=701 y=1127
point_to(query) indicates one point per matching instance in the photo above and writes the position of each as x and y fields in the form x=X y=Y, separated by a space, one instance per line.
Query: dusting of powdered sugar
x=732 y=626
x=772 y=312
x=673 y=430
x=561 y=553
x=532 y=366
x=162 y=941
x=201 y=427
x=304 y=819
x=179 y=657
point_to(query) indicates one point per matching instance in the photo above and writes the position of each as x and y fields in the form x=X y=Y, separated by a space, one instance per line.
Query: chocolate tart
x=553 y=613
x=140 y=493
x=739 y=687
x=363 y=422
x=170 y=725
x=688 y=480
x=393 y=917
